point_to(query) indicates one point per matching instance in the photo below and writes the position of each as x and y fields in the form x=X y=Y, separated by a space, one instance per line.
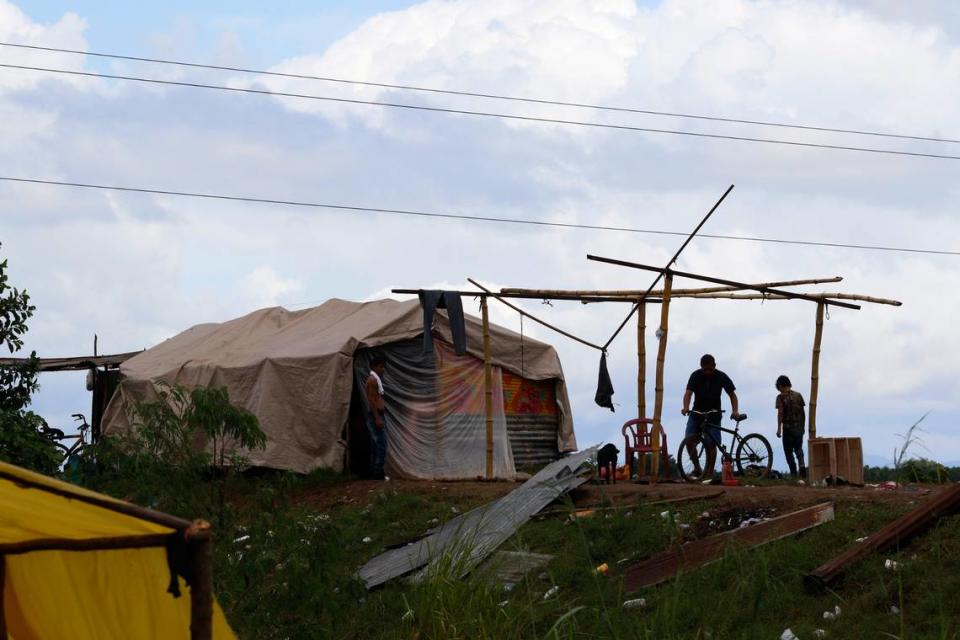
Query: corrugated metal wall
x=532 y=420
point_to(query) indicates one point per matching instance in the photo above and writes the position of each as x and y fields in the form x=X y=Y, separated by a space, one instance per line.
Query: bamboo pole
x=3 y=612
x=642 y=360
x=634 y=293
x=86 y=544
x=201 y=587
x=483 y=304
x=815 y=374
x=641 y=377
x=770 y=296
x=658 y=393
x=487 y=385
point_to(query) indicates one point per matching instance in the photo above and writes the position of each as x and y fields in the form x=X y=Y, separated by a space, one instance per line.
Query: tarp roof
x=293 y=370
x=50 y=591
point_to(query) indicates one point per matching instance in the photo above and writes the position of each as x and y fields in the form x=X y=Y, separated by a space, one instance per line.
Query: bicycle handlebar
x=739 y=418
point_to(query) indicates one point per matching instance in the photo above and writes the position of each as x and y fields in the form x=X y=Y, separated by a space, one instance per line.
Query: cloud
x=136 y=269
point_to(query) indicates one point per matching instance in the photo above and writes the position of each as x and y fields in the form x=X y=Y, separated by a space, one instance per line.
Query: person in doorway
x=791 y=418
x=704 y=387
x=376 y=416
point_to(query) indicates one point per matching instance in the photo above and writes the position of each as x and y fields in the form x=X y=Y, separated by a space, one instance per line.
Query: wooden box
x=835 y=457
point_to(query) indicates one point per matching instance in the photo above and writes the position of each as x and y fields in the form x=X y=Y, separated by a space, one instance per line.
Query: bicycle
x=57 y=436
x=753 y=452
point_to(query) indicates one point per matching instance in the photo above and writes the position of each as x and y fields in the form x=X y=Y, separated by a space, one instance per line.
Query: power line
x=490 y=96
x=485 y=114
x=454 y=216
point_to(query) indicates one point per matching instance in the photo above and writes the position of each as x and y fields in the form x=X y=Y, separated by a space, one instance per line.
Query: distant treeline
x=920 y=470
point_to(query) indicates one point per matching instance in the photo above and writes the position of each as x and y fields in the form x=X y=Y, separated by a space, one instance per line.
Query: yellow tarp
x=85 y=594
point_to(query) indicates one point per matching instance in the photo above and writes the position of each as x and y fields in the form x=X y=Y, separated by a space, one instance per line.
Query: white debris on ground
x=863 y=539
x=894 y=609
x=367 y=539
x=636 y=603
x=552 y=591
x=891 y=565
x=819 y=633
x=788 y=635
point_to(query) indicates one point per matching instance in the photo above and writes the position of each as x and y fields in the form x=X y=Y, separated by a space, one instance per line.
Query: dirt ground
x=782 y=496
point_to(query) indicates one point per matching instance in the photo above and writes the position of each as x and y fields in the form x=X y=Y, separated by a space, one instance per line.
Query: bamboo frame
x=635 y=293
x=815 y=375
x=487 y=292
x=487 y=386
x=658 y=392
x=696 y=276
x=765 y=296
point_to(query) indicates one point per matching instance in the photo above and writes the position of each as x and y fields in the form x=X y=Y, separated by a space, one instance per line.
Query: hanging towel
x=449 y=300
x=604 y=396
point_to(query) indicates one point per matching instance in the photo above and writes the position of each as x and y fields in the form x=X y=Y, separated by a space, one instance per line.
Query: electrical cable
x=485 y=114
x=490 y=96
x=453 y=216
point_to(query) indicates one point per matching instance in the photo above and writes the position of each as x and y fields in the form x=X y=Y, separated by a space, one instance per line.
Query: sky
x=135 y=269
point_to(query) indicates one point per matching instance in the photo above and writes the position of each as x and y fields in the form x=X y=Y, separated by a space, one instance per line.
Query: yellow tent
x=79 y=564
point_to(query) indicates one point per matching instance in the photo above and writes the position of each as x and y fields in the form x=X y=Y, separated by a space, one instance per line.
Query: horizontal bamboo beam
x=87 y=544
x=532 y=317
x=636 y=293
x=732 y=283
x=765 y=296
x=895 y=533
x=572 y=298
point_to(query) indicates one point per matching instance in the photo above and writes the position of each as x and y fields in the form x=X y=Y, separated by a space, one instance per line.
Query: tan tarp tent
x=294 y=371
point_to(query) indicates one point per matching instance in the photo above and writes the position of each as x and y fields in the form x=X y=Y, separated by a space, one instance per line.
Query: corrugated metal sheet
x=463 y=542
x=533 y=439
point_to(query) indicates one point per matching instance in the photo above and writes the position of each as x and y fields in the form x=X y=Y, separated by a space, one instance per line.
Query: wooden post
x=487 y=384
x=815 y=373
x=201 y=588
x=658 y=393
x=642 y=361
x=641 y=376
x=3 y=613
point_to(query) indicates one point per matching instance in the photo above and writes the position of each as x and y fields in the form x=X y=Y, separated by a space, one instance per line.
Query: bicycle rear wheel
x=754 y=456
x=691 y=458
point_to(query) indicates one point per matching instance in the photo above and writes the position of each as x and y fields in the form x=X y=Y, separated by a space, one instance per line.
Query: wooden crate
x=836 y=457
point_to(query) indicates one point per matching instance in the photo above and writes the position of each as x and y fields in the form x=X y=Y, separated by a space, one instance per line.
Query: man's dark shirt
x=706 y=389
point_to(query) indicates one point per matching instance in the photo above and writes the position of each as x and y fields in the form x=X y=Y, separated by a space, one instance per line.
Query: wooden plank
x=201 y=588
x=894 y=534
x=634 y=293
x=700 y=553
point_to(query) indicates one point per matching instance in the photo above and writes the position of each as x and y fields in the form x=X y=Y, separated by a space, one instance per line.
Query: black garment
x=449 y=300
x=706 y=389
x=604 y=396
x=793 y=446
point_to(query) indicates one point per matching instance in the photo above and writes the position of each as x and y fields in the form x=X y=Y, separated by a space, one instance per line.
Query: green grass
x=293 y=577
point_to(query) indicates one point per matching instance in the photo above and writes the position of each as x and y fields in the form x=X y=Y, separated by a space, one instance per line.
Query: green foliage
x=21 y=441
x=224 y=425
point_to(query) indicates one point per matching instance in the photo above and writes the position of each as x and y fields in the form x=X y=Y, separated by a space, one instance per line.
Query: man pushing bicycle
x=704 y=386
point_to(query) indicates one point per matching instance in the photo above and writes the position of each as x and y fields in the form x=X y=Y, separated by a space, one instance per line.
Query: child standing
x=791 y=418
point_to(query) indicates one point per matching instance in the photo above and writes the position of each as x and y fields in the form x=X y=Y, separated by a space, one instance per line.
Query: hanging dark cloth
x=604 y=396
x=449 y=300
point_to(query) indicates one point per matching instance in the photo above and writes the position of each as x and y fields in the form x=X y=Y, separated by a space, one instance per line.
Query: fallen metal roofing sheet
x=463 y=542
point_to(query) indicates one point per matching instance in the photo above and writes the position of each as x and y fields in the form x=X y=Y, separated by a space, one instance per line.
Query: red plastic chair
x=638 y=441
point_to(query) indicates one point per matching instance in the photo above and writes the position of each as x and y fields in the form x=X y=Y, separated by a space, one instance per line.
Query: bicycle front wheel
x=754 y=456
x=691 y=458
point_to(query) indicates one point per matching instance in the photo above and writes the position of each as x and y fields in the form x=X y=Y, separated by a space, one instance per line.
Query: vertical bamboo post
x=642 y=360
x=641 y=377
x=815 y=373
x=201 y=589
x=3 y=613
x=487 y=384
x=658 y=393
